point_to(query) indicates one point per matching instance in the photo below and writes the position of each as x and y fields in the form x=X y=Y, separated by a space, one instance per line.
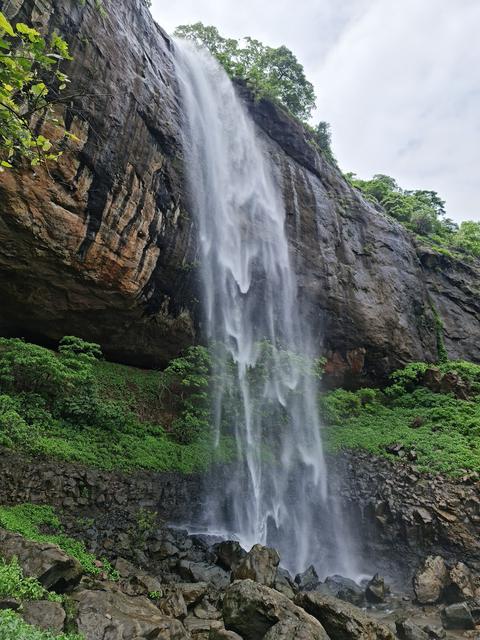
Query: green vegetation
x=31 y=83
x=33 y=521
x=13 y=627
x=436 y=430
x=13 y=584
x=270 y=72
x=423 y=212
x=71 y=405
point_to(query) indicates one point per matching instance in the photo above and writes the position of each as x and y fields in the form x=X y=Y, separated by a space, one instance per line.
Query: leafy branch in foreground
x=31 y=83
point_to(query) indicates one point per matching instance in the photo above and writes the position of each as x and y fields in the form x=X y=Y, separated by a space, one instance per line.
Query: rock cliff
x=103 y=246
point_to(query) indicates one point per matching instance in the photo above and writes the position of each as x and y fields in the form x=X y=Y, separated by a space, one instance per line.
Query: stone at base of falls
x=44 y=614
x=285 y=584
x=345 y=589
x=458 y=616
x=203 y=572
x=408 y=630
x=254 y=610
x=229 y=554
x=223 y=634
x=430 y=580
x=342 y=620
x=376 y=590
x=461 y=586
x=260 y=564
x=308 y=580
x=120 y=616
x=46 y=562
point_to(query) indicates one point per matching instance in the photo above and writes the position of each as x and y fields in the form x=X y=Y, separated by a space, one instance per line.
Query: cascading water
x=264 y=392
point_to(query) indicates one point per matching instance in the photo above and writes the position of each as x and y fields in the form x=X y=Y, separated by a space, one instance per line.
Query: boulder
x=458 y=616
x=172 y=603
x=408 y=630
x=253 y=609
x=341 y=620
x=44 y=614
x=376 y=590
x=192 y=592
x=201 y=628
x=345 y=589
x=228 y=554
x=223 y=634
x=435 y=633
x=204 y=572
x=46 y=562
x=284 y=583
x=206 y=611
x=460 y=586
x=308 y=580
x=430 y=580
x=260 y=564
x=112 y=614
x=290 y=629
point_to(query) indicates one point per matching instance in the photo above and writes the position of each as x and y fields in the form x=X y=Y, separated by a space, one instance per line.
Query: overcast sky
x=399 y=80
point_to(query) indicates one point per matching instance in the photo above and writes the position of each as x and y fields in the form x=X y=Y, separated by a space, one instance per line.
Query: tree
x=270 y=72
x=31 y=82
x=322 y=136
x=468 y=237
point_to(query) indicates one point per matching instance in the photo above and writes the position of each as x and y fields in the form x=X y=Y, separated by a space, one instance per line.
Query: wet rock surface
x=187 y=593
x=104 y=247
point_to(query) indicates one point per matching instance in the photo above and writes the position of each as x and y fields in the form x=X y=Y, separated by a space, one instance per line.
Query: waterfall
x=264 y=391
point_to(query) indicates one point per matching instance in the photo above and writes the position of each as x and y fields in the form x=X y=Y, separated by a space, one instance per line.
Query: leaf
x=4 y=163
x=6 y=26
x=27 y=31
x=38 y=89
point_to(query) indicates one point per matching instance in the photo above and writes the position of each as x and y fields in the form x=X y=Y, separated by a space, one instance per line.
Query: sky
x=398 y=80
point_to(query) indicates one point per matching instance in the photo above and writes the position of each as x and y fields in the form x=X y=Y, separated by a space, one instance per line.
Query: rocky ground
x=171 y=585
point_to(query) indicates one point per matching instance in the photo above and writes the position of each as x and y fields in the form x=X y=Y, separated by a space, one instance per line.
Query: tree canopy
x=271 y=72
x=31 y=82
x=421 y=211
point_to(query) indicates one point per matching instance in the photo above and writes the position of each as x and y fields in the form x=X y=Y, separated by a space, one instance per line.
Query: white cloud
x=397 y=79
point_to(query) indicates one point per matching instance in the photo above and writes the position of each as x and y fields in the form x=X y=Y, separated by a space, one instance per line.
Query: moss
x=32 y=521
x=443 y=431
x=73 y=406
x=12 y=627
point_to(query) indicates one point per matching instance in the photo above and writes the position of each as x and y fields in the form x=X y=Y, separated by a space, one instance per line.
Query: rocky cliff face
x=104 y=247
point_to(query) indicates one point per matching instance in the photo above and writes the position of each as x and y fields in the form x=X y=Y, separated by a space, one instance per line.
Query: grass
x=72 y=406
x=40 y=523
x=13 y=627
x=442 y=430
x=13 y=584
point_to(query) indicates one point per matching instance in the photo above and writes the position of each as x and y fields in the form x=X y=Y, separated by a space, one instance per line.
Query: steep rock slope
x=104 y=247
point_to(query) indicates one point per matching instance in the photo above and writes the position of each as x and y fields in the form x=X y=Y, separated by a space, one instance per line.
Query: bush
x=13 y=584
x=31 y=520
x=13 y=627
x=442 y=430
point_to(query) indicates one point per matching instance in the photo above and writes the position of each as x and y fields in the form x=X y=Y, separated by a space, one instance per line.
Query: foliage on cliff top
x=73 y=406
x=31 y=83
x=270 y=72
x=423 y=212
x=436 y=431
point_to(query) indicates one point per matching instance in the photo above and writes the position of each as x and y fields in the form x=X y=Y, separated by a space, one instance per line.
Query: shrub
x=13 y=627
x=13 y=584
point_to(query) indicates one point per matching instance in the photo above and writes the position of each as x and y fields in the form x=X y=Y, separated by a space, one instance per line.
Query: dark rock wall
x=105 y=247
x=399 y=516
x=83 y=491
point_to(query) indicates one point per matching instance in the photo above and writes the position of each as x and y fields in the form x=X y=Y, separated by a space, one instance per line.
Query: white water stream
x=276 y=492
